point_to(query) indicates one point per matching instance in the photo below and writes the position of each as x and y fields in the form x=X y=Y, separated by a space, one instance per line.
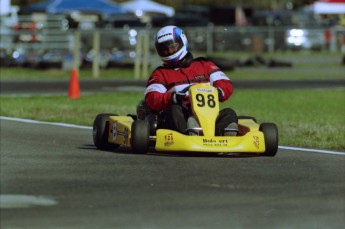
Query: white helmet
x=171 y=44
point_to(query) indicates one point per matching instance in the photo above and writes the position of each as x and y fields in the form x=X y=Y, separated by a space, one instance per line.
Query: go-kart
x=111 y=131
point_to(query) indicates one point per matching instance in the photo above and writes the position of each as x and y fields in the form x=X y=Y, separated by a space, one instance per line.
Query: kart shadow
x=120 y=150
x=202 y=155
x=152 y=152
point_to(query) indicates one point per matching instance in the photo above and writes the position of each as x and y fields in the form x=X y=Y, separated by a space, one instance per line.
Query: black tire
x=247 y=117
x=140 y=136
x=100 y=132
x=270 y=131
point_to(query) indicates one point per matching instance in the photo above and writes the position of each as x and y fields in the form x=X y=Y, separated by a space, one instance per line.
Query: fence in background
x=49 y=40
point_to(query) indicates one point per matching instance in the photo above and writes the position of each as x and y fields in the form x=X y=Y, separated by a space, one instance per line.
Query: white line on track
x=41 y=122
x=312 y=150
x=88 y=127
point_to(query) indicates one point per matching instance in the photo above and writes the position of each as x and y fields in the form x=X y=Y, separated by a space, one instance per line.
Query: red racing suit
x=164 y=81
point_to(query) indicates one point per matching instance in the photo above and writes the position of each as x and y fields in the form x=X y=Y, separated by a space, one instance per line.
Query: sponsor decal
x=214 y=67
x=151 y=80
x=200 y=77
x=256 y=141
x=205 y=140
x=164 y=35
x=205 y=89
x=114 y=131
x=214 y=142
x=169 y=139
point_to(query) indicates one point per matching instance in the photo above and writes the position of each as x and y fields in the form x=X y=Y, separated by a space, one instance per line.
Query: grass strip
x=305 y=117
x=305 y=65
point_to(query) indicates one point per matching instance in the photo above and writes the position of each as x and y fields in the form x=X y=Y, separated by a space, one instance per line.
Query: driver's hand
x=178 y=97
x=220 y=94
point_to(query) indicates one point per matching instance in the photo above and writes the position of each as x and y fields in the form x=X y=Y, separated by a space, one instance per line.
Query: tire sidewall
x=270 y=132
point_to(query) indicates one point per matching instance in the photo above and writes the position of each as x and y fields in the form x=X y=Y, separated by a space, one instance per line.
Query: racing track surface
x=82 y=187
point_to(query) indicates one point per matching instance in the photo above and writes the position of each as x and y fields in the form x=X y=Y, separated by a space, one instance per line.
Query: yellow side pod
x=120 y=130
x=252 y=142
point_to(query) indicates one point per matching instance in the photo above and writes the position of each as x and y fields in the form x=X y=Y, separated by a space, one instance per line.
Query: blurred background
x=106 y=33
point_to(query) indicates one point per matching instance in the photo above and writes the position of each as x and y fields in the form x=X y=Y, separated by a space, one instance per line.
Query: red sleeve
x=158 y=101
x=226 y=87
x=221 y=81
x=156 y=95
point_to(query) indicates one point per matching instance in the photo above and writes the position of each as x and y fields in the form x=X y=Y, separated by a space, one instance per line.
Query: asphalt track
x=53 y=177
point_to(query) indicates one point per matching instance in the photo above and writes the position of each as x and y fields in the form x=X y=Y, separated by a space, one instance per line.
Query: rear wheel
x=100 y=132
x=270 y=131
x=140 y=136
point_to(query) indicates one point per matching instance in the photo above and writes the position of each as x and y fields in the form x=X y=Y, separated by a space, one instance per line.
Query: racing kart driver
x=164 y=94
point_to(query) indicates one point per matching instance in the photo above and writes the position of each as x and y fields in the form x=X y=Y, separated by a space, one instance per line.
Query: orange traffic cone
x=74 y=88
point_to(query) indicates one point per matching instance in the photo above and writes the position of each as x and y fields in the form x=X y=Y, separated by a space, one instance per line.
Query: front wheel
x=140 y=136
x=270 y=131
x=100 y=132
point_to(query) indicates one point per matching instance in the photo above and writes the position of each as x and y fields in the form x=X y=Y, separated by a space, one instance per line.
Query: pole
x=76 y=48
x=146 y=54
x=209 y=37
x=95 y=61
x=138 y=53
x=271 y=40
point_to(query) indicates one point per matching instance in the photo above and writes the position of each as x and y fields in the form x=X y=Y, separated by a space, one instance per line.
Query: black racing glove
x=178 y=97
x=220 y=94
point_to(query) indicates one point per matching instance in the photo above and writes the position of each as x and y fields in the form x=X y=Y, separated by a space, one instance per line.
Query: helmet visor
x=170 y=47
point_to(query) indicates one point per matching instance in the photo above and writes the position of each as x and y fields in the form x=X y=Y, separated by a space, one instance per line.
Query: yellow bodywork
x=120 y=130
x=252 y=142
x=205 y=106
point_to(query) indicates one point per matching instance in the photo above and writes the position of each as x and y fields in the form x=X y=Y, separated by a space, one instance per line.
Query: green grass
x=305 y=118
